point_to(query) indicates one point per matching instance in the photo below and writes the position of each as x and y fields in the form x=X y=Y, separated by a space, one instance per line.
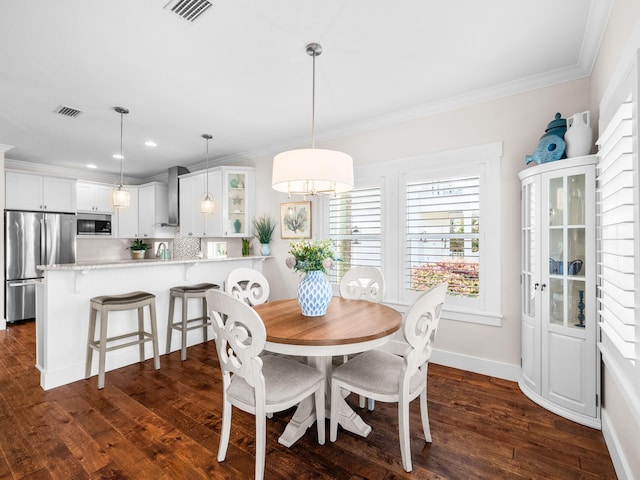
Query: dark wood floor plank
x=165 y=424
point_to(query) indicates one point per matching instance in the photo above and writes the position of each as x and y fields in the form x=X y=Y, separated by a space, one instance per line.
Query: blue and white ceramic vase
x=265 y=249
x=314 y=294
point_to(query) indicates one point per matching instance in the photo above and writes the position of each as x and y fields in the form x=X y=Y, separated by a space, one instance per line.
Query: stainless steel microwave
x=94 y=224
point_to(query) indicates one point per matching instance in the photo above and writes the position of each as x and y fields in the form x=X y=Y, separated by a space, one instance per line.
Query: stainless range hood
x=174 y=195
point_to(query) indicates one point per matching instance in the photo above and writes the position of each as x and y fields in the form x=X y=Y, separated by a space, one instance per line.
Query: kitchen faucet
x=162 y=247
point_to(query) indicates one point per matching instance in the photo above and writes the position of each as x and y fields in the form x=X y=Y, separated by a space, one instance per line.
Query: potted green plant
x=246 y=246
x=138 y=248
x=264 y=227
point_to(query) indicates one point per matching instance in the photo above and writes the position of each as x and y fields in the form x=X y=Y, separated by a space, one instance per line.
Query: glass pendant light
x=207 y=205
x=310 y=171
x=121 y=197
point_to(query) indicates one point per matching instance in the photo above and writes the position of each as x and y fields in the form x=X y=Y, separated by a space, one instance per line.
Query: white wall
x=517 y=121
x=621 y=404
x=3 y=148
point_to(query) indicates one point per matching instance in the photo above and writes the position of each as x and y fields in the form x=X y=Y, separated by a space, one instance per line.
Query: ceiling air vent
x=67 y=111
x=189 y=10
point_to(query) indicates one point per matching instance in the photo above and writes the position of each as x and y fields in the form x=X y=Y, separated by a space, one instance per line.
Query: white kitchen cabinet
x=146 y=213
x=153 y=211
x=126 y=219
x=560 y=364
x=25 y=191
x=94 y=197
x=192 y=222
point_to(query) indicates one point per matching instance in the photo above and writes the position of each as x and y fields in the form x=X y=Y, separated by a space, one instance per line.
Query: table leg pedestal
x=305 y=415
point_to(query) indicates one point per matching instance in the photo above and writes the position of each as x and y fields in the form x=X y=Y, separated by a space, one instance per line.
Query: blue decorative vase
x=314 y=294
x=265 y=249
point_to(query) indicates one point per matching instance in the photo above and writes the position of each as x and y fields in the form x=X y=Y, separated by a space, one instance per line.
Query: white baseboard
x=3 y=324
x=620 y=463
x=483 y=366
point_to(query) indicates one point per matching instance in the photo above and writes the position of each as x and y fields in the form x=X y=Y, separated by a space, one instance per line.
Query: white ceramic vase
x=578 y=137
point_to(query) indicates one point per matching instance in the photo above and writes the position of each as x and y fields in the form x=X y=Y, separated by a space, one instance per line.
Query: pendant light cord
x=121 y=148
x=313 y=104
x=207 y=155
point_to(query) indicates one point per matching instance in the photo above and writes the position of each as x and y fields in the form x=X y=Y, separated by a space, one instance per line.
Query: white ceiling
x=240 y=71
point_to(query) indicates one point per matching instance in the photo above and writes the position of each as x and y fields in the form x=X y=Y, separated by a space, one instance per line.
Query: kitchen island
x=62 y=308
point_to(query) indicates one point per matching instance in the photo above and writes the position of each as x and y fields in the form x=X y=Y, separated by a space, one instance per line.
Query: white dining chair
x=257 y=384
x=386 y=377
x=362 y=283
x=249 y=285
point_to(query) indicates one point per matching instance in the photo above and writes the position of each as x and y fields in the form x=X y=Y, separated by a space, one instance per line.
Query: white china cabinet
x=560 y=366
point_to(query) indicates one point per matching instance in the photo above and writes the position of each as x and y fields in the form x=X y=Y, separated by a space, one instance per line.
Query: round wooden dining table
x=349 y=326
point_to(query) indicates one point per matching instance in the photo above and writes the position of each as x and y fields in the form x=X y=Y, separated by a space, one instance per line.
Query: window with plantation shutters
x=355 y=226
x=422 y=220
x=617 y=255
x=443 y=235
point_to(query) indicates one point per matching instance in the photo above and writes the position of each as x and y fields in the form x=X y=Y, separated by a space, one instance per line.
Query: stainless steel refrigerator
x=32 y=239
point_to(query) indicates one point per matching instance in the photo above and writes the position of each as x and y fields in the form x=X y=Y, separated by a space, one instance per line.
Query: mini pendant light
x=310 y=171
x=207 y=206
x=121 y=196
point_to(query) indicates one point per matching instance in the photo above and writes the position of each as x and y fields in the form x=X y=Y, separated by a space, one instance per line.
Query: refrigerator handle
x=43 y=241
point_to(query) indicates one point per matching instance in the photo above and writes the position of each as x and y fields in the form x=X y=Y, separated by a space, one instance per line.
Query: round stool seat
x=197 y=288
x=125 y=298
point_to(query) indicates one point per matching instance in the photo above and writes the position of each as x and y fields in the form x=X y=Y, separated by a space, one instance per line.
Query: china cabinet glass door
x=236 y=186
x=568 y=303
x=566 y=243
x=531 y=285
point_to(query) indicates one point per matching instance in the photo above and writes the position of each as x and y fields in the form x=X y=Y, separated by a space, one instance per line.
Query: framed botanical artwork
x=295 y=220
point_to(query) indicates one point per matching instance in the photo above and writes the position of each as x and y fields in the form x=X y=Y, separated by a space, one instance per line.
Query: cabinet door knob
x=542 y=286
x=535 y=286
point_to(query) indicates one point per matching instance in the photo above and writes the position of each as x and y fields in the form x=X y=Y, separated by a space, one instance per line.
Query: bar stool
x=112 y=303
x=184 y=293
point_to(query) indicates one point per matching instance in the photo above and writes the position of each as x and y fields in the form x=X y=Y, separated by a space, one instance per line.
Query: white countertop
x=146 y=262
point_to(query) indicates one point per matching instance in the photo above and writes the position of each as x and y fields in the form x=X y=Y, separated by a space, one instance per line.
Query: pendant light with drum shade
x=207 y=205
x=311 y=171
x=121 y=197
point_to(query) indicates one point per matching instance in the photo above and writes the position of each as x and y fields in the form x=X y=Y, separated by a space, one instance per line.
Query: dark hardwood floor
x=165 y=424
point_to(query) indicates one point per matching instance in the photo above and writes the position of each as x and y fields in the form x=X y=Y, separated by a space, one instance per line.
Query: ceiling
x=240 y=71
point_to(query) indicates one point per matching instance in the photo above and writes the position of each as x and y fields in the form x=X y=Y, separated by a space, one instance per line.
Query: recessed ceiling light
x=91 y=165
x=117 y=156
x=150 y=143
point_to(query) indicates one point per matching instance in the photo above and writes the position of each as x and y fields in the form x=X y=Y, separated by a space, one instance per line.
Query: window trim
x=388 y=175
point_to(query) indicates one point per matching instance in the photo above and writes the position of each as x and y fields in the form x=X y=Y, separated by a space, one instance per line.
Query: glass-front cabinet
x=232 y=192
x=560 y=368
x=237 y=201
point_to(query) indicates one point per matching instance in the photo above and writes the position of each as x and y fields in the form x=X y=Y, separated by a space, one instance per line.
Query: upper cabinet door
x=24 y=191
x=94 y=197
